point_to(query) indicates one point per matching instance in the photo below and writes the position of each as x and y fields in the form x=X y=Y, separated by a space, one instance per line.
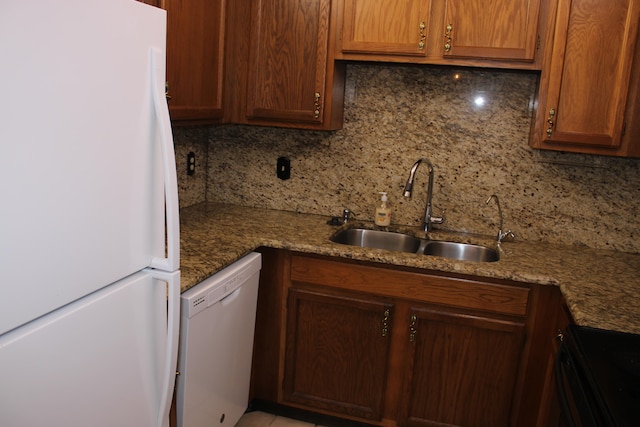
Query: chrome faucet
x=408 y=189
x=501 y=234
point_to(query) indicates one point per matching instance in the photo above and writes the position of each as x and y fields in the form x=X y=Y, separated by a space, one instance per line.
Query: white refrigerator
x=89 y=235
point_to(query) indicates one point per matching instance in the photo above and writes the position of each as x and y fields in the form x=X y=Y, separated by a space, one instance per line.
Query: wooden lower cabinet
x=393 y=346
x=550 y=413
x=461 y=369
x=336 y=353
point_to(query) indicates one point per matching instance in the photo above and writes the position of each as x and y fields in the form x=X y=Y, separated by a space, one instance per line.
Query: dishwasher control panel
x=214 y=289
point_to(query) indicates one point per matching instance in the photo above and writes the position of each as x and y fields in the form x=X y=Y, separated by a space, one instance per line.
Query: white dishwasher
x=216 y=344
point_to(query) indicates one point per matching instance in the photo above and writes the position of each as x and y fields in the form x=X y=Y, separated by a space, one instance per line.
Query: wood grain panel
x=592 y=39
x=380 y=26
x=461 y=362
x=288 y=59
x=585 y=88
x=500 y=29
x=506 y=299
x=195 y=58
x=336 y=353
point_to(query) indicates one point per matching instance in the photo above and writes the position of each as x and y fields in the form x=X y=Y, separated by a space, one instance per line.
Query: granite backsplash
x=473 y=124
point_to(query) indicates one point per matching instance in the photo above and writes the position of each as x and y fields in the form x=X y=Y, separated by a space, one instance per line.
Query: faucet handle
x=438 y=219
x=347 y=214
x=503 y=235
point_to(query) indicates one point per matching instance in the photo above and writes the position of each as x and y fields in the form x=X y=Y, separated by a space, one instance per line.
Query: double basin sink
x=400 y=242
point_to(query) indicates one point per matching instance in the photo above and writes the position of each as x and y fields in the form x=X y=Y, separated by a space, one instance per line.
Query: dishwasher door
x=216 y=345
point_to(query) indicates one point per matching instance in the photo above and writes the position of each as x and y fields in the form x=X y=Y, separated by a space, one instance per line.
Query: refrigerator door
x=82 y=169
x=100 y=361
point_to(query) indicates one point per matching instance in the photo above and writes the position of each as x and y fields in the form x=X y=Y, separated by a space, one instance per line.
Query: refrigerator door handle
x=171 y=353
x=172 y=261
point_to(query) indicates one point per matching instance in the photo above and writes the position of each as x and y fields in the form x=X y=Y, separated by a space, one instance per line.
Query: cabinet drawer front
x=465 y=293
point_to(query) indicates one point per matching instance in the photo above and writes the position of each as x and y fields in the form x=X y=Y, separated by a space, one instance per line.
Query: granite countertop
x=602 y=288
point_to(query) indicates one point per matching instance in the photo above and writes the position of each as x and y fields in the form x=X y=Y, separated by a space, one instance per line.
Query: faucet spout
x=501 y=234
x=408 y=190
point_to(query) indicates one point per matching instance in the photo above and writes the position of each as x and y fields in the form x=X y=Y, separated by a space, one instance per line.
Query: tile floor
x=263 y=419
x=267 y=416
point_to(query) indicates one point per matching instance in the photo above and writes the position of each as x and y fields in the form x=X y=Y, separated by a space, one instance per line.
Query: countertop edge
x=599 y=286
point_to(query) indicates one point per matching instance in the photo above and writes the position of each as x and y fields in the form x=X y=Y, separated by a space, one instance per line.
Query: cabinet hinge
x=624 y=128
x=538 y=43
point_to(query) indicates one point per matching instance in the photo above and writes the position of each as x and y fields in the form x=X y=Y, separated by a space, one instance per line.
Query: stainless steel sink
x=390 y=241
x=399 y=242
x=461 y=251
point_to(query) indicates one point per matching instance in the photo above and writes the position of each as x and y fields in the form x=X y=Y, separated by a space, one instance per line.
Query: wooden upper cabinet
x=494 y=33
x=195 y=59
x=491 y=29
x=383 y=27
x=290 y=75
x=589 y=99
x=195 y=53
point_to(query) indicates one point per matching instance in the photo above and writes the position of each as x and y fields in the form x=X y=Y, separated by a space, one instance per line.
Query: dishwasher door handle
x=231 y=297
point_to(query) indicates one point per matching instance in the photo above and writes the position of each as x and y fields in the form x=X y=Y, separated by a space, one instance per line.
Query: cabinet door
x=462 y=369
x=336 y=353
x=195 y=52
x=492 y=29
x=384 y=27
x=550 y=407
x=288 y=60
x=583 y=104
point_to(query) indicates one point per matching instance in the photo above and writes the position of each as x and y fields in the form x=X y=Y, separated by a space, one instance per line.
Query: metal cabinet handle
x=316 y=106
x=385 y=322
x=447 y=37
x=423 y=36
x=412 y=328
x=550 y=123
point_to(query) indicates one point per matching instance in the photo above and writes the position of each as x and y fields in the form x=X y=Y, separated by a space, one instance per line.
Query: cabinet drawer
x=472 y=294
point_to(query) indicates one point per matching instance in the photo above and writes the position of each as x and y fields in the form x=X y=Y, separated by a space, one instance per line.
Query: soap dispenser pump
x=383 y=211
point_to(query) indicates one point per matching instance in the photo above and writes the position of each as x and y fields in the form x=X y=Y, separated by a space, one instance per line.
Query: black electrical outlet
x=191 y=163
x=283 y=168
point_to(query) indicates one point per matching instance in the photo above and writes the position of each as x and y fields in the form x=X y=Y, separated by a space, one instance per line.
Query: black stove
x=599 y=377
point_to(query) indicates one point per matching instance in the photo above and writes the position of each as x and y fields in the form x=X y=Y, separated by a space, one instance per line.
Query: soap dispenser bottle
x=383 y=211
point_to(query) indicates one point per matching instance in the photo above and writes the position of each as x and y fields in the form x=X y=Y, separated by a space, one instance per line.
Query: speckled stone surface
x=601 y=287
x=396 y=114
